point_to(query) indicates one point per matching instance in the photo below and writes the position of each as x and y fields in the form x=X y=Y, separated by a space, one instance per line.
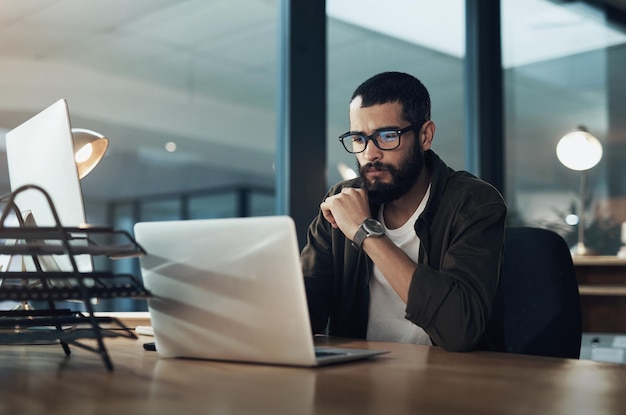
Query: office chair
x=537 y=305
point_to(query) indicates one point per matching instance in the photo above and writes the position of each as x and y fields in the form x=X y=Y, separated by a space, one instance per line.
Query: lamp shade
x=579 y=150
x=89 y=148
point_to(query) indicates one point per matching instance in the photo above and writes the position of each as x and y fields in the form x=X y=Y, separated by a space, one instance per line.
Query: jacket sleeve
x=317 y=267
x=452 y=300
x=335 y=277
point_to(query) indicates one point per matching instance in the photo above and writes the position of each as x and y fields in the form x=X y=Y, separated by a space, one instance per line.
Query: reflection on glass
x=559 y=73
x=220 y=205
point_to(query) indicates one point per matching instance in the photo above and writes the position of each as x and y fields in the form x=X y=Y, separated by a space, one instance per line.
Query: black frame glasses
x=378 y=138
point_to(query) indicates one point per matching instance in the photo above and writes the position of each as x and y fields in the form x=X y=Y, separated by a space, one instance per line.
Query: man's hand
x=346 y=210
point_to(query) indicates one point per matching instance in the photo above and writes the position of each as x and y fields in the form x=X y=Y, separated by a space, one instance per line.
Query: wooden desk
x=602 y=287
x=411 y=379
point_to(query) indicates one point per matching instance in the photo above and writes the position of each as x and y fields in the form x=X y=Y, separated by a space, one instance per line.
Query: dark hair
x=397 y=87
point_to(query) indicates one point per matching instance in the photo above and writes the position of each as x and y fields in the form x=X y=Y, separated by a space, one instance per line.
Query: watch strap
x=366 y=231
x=359 y=237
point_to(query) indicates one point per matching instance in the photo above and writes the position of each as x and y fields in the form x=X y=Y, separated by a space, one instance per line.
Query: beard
x=403 y=177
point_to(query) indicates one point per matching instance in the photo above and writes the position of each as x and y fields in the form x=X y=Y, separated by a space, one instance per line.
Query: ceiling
x=203 y=74
x=145 y=73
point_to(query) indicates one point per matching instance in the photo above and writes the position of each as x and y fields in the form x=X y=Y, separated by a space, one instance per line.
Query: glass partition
x=185 y=92
x=563 y=66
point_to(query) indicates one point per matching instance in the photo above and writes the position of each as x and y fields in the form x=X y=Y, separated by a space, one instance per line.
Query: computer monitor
x=41 y=152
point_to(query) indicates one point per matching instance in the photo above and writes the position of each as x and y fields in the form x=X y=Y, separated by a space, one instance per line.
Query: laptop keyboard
x=324 y=353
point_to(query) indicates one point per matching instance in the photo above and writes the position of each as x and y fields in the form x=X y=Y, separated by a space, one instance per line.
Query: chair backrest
x=537 y=306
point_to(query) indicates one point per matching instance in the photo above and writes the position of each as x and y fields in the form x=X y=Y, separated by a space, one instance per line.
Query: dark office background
x=254 y=93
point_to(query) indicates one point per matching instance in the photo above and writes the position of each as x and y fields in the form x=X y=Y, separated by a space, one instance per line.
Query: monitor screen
x=41 y=152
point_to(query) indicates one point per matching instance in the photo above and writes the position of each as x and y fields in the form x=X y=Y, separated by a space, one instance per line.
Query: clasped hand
x=346 y=210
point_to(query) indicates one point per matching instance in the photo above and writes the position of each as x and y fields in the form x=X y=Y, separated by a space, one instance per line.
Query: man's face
x=387 y=175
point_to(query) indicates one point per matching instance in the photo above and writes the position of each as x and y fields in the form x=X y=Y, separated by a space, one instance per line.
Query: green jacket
x=451 y=294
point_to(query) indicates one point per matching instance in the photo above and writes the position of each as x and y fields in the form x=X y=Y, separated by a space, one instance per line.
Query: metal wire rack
x=42 y=283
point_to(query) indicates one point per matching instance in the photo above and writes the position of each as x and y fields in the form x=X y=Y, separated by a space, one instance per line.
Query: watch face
x=373 y=226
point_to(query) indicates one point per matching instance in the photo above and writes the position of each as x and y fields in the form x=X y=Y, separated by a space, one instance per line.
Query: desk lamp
x=89 y=148
x=580 y=151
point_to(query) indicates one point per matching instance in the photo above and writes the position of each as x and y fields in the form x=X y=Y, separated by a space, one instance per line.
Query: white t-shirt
x=386 y=311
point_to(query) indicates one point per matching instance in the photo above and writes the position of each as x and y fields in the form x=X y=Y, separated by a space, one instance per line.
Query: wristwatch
x=369 y=227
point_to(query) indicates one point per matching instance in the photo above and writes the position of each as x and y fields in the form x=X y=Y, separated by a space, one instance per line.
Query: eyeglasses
x=355 y=142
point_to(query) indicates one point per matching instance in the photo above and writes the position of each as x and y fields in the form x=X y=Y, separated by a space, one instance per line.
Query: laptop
x=231 y=289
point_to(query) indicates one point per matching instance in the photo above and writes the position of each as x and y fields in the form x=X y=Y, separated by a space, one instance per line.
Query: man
x=409 y=251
